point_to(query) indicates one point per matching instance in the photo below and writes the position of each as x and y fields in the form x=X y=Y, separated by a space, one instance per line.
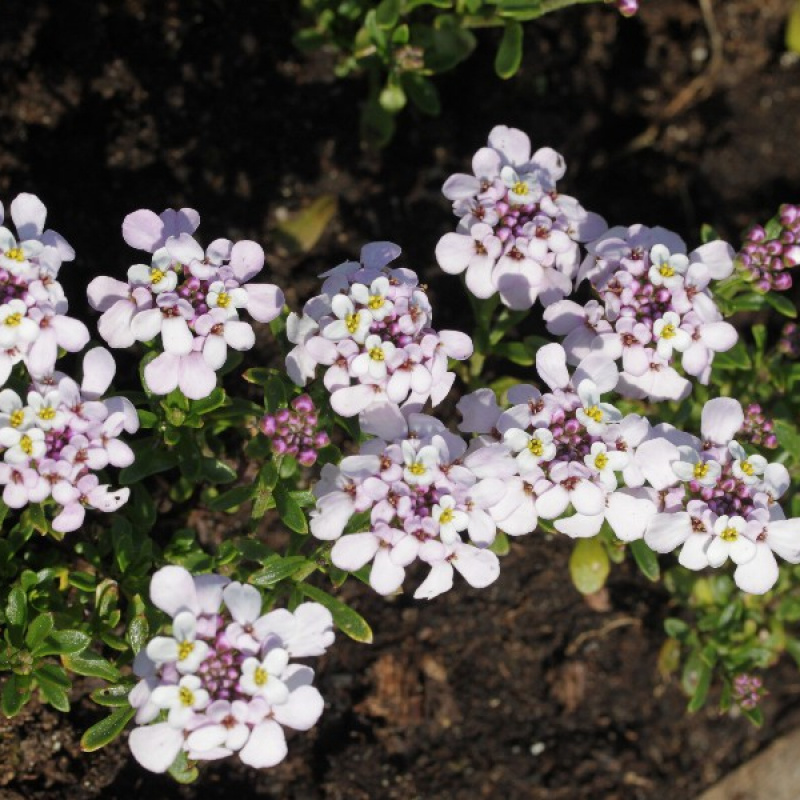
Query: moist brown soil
x=687 y=114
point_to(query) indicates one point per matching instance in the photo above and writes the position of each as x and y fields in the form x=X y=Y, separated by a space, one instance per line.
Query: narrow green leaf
x=588 y=565
x=422 y=93
x=275 y=390
x=783 y=305
x=387 y=13
x=91 y=665
x=735 y=358
x=289 y=510
x=500 y=546
x=676 y=628
x=509 y=54
x=277 y=568
x=63 y=643
x=16 y=692
x=214 y=470
x=105 y=731
x=150 y=458
x=39 y=628
x=348 y=621
x=646 y=560
x=17 y=608
x=208 y=404
x=702 y=684
x=182 y=770
x=112 y=696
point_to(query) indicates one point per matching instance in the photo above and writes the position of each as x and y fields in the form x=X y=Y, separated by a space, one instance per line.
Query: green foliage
x=401 y=44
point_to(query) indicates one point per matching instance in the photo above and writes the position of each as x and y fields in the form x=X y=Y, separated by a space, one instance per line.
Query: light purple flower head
x=189 y=297
x=224 y=673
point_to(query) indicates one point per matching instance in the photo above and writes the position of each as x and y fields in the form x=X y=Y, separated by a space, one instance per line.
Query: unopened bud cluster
x=767 y=258
x=748 y=690
x=294 y=431
x=757 y=428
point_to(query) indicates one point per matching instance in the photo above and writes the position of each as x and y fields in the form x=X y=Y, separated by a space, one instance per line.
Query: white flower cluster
x=223 y=681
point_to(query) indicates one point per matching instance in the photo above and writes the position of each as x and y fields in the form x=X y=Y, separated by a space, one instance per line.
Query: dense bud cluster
x=766 y=257
x=294 y=431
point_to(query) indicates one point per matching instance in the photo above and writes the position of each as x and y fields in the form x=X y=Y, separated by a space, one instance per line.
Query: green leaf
x=289 y=510
x=447 y=45
x=588 y=565
x=150 y=458
x=747 y=302
x=277 y=568
x=516 y=352
x=707 y=233
x=63 y=643
x=783 y=305
x=509 y=54
x=358 y=523
x=387 y=13
x=208 y=404
x=16 y=692
x=348 y=621
x=91 y=665
x=232 y=499
x=735 y=358
x=422 y=93
x=755 y=715
x=788 y=437
x=500 y=546
x=646 y=560
x=275 y=391
x=112 y=696
x=17 y=608
x=106 y=730
x=676 y=628
x=137 y=633
x=214 y=470
x=702 y=681
x=54 y=685
x=39 y=628
x=793 y=29
x=182 y=770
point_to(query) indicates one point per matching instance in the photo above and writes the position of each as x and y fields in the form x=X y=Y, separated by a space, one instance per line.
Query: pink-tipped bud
x=303 y=403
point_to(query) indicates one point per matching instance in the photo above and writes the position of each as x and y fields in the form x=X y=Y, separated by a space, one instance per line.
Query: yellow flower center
x=593 y=412
x=186 y=696
x=12 y=320
x=185 y=649
x=747 y=468
x=417 y=469
x=26 y=445
x=520 y=187
x=375 y=302
x=666 y=270
x=15 y=254
x=536 y=447
x=223 y=299
x=668 y=332
x=17 y=418
x=156 y=275
x=700 y=470
x=446 y=516
x=376 y=354
x=260 y=676
x=729 y=534
x=601 y=461
x=47 y=413
x=351 y=322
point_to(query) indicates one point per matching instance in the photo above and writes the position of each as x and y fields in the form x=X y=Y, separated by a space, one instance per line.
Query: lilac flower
x=422 y=487
x=517 y=236
x=371 y=330
x=715 y=500
x=33 y=320
x=224 y=674
x=52 y=446
x=765 y=258
x=654 y=302
x=189 y=297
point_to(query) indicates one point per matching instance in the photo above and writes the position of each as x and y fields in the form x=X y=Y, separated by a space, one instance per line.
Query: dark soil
x=523 y=690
